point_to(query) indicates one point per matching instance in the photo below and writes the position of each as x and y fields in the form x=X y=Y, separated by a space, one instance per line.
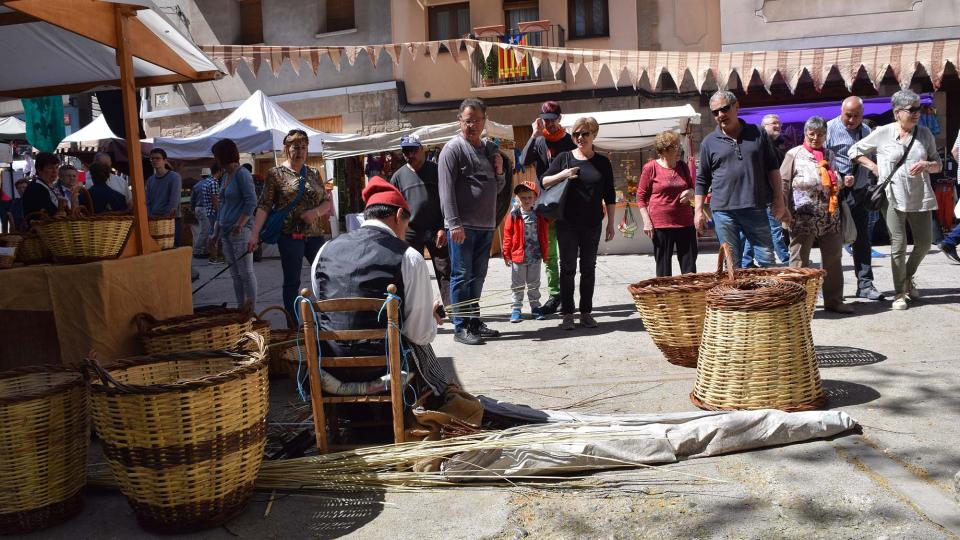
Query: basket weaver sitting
x=673 y=308
x=209 y=330
x=183 y=433
x=757 y=349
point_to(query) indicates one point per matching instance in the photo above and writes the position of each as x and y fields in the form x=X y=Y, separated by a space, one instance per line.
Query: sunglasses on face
x=579 y=134
x=912 y=110
x=725 y=109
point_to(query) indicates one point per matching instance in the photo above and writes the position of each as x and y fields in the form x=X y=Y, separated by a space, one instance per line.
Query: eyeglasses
x=724 y=109
x=579 y=134
x=472 y=122
x=912 y=110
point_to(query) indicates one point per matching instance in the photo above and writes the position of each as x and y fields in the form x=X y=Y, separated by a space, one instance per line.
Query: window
x=450 y=21
x=588 y=18
x=340 y=15
x=251 y=22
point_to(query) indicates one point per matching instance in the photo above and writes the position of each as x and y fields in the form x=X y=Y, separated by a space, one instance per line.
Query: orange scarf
x=554 y=137
x=828 y=178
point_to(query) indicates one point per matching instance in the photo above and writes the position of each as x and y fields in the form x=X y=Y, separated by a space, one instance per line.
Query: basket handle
x=241 y=347
x=144 y=322
x=286 y=315
x=725 y=255
x=94 y=372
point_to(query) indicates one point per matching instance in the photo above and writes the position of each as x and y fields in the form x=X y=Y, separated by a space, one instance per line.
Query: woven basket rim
x=36 y=370
x=785 y=273
x=184 y=324
x=96 y=217
x=755 y=294
x=681 y=283
x=254 y=362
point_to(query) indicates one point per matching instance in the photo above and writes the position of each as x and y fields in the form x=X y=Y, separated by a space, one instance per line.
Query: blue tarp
x=800 y=112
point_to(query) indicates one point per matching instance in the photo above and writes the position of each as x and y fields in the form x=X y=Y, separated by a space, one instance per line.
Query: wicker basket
x=32 y=250
x=673 y=308
x=757 y=350
x=163 y=231
x=73 y=239
x=9 y=245
x=44 y=434
x=209 y=330
x=810 y=278
x=280 y=340
x=183 y=433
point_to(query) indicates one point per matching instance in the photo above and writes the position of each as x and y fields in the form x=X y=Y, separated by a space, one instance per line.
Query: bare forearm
x=553 y=179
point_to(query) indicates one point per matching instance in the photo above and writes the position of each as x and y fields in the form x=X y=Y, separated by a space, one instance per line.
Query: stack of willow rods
x=392 y=467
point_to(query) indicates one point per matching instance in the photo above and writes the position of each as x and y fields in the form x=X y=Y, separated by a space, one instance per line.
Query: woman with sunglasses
x=578 y=229
x=301 y=236
x=910 y=197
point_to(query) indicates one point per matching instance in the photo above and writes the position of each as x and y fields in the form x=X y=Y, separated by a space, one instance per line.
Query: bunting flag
x=643 y=69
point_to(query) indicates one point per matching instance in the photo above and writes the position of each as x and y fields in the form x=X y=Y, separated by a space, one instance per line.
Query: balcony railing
x=501 y=67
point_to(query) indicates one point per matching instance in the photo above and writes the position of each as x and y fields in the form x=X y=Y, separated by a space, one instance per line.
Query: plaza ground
x=895 y=480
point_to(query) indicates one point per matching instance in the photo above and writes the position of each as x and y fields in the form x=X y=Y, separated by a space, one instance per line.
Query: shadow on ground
x=847 y=394
x=830 y=356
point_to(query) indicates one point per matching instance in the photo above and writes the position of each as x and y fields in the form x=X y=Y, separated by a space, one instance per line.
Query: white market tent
x=635 y=129
x=437 y=134
x=92 y=133
x=257 y=125
x=12 y=127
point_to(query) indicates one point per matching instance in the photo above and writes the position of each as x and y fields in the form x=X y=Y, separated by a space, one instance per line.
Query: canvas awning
x=257 y=125
x=92 y=133
x=433 y=135
x=12 y=127
x=635 y=129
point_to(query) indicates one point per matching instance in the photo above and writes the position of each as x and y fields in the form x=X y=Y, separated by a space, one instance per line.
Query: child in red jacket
x=524 y=250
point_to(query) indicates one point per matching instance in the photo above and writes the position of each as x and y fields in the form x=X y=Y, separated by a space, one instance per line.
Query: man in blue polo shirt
x=739 y=168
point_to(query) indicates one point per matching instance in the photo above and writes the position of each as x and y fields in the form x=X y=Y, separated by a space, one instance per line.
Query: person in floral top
x=301 y=235
x=812 y=189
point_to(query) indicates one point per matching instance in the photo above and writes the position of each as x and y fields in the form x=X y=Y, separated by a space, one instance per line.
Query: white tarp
x=257 y=125
x=12 y=127
x=634 y=129
x=606 y=442
x=92 y=133
x=39 y=54
x=433 y=135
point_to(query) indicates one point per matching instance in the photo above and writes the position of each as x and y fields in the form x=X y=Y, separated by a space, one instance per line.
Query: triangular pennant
x=414 y=49
x=373 y=54
x=230 y=65
x=313 y=60
x=536 y=58
x=453 y=46
x=351 y=52
x=433 y=47
x=393 y=51
x=485 y=48
x=334 y=54
x=556 y=64
x=518 y=54
x=294 y=56
x=257 y=59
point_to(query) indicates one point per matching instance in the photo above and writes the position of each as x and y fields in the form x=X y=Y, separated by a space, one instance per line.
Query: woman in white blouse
x=910 y=197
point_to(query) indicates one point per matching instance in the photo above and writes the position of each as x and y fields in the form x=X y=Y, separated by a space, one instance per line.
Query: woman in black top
x=578 y=230
x=41 y=195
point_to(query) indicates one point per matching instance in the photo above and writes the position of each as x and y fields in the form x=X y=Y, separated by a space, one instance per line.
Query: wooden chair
x=317 y=399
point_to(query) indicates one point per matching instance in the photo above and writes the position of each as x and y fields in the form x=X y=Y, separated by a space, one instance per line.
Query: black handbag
x=551 y=201
x=877 y=193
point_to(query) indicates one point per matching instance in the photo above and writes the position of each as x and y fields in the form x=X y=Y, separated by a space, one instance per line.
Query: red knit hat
x=379 y=191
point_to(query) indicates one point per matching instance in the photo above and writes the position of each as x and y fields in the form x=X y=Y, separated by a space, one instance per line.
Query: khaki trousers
x=831 y=249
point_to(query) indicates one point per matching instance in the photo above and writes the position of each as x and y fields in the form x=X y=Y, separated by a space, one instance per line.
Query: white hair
x=769 y=117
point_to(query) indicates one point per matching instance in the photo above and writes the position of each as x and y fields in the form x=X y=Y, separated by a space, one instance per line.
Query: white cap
x=205 y=171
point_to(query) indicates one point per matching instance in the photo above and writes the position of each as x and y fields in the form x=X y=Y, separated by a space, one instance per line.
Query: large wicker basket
x=44 y=434
x=183 y=433
x=73 y=239
x=210 y=330
x=757 y=350
x=281 y=339
x=9 y=245
x=163 y=231
x=32 y=250
x=810 y=278
x=673 y=308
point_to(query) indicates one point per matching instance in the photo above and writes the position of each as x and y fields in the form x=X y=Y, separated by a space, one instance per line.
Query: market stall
x=58 y=47
x=623 y=136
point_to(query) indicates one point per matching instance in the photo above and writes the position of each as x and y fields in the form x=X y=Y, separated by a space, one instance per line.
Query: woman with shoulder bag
x=238 y=200
x=292 y=203
x=906 y=154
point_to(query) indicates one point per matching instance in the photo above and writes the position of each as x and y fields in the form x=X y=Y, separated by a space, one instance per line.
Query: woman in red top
x=663 y=198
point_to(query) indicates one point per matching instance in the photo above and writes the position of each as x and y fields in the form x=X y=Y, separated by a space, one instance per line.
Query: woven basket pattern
x=32 y=250
x=757 y=349
x=183 y=433
x=86 y=239
x=279 y=339
x=810 y=278
x=207 y=331
x=163 y=231
x=44 y=434
x=11 y=241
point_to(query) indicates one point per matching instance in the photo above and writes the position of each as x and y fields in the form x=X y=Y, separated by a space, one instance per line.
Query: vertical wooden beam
x=396 y=379
x=313 y=369
x=142 y=242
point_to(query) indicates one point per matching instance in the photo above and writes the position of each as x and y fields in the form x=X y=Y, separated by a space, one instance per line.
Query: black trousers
x=683 y=240
x=439 y=256
x=862 y=263
x=573 y=243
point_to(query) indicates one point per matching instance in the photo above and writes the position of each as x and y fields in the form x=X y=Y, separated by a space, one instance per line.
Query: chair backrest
x=355 y=304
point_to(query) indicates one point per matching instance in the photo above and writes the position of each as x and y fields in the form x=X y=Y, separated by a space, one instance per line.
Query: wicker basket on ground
x=209 y=330
x=183 y=433
x=673 y=308
x=757 y=350
x=163 y=230
x=81 y=239
x=9 y=245
x=810 y=278
x=44 y=435
x=281 y=339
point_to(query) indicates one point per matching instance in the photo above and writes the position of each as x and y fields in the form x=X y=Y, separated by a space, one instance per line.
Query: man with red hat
x=362 y=263
x=547 y=140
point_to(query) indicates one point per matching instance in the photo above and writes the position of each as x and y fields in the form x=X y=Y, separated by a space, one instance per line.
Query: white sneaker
x=568 y=322
x=912 y=291
x=900 y=303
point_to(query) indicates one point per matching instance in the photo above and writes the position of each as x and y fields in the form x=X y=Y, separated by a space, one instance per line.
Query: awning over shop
x=433 y=135
x=92 y=133
x=12 y=127
x=257 y=125
x=635 y=128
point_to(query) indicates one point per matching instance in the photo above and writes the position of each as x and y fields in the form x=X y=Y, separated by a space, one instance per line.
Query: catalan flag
x=507 y=61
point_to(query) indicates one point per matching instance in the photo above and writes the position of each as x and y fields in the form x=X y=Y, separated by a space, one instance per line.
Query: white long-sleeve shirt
x=418 y=325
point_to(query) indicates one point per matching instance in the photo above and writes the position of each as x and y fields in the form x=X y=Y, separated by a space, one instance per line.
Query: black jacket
x=37 y=199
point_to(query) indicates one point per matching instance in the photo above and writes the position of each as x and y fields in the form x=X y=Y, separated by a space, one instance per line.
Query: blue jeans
x=468 y=270
x=754 y=225
x=779 y=243
x=292 y=253
x=241 y=266
x=952 y=238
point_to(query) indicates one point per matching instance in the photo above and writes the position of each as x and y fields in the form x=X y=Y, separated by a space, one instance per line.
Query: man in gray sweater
x=471 y=173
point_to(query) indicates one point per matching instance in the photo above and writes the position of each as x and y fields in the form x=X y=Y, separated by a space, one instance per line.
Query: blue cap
x=410 y=141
